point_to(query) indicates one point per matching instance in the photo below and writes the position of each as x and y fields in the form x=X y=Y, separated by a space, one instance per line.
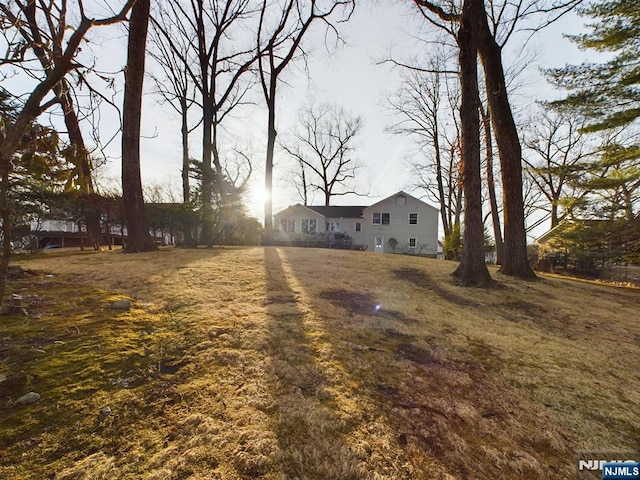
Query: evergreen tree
x=606 y=93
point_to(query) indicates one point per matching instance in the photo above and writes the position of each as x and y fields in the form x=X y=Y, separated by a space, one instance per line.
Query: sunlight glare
x=258 y=196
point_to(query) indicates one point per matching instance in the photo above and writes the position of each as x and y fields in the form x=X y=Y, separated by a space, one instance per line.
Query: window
x=309 y=225
x=413 y=219
x=401 y=200
x=358 y=227
x=291 y=225
x=412 y=243
x=381 y=218
x=333 y=226
x=288 y=225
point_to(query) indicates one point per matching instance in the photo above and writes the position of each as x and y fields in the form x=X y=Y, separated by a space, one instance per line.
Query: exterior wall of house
x=348 y=226
x=294 y=216
x=419 y=237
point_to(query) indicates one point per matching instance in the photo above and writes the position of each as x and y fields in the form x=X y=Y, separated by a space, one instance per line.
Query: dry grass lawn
x=279 y=363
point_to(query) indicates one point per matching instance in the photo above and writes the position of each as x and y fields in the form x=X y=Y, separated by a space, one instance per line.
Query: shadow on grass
x=437 y=414
x=310 y=424
x=421 y=280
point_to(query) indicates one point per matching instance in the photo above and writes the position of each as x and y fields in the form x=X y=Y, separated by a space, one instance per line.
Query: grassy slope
x=293 y=363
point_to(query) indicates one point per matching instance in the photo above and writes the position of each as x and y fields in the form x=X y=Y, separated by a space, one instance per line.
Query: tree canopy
x=607 y=93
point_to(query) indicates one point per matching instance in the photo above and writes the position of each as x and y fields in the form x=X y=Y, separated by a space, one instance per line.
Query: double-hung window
x=309 y=225
x=381 y=218
x=333 y=226
x=413 y=219
x=288 y=225
x=291 y=225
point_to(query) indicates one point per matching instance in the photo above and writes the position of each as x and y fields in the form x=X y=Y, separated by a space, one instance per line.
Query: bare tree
x=278 y=45
x=52 y=22
x=324 y=144
x=175 y=88
x=216 y=61
x=300 y=181
x=558 y=151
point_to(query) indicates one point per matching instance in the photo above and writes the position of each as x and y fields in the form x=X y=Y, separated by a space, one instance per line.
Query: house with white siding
x=400 y=223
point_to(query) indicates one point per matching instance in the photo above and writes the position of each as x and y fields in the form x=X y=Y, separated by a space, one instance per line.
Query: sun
x=257 y=196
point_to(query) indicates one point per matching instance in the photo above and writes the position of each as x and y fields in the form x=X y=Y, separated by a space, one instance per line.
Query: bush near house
x=337 y=240
x=591 y=248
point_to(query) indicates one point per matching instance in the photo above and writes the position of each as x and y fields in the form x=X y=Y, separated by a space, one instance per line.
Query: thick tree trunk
x=515 y=261
x=139 y=239
x=472 y=270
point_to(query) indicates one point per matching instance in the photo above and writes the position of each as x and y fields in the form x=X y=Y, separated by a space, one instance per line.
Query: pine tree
x=606 y=93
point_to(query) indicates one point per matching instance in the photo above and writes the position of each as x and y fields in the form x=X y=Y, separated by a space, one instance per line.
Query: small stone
x=122 y=304
x=31 y=397
x=105 y=412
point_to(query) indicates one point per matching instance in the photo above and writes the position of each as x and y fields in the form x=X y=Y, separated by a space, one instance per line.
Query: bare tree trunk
x=491 y=185
x=268 y=171
x=5 y=215
x=139 y=239
x=472 y=270
x=207 y=174
x=444 y=215
x=186 y=188
x=223 y=213
x=75 y=136
x=515 y=259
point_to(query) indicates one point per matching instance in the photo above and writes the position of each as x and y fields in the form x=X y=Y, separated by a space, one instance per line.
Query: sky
x=352 y=77
x=349 y=76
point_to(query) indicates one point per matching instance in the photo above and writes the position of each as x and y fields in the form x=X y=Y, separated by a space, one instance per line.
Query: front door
x=378 y=245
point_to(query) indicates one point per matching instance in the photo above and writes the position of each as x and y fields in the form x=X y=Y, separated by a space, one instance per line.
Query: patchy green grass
x=281 y=363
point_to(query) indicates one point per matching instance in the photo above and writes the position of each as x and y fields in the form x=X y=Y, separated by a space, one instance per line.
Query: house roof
x=544 y=238
x=293 y=207
x=329 y=211
x=397 y=194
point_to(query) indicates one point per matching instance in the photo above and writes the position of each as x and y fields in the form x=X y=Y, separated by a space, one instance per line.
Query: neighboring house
x=410 y=221
x=61 y=234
